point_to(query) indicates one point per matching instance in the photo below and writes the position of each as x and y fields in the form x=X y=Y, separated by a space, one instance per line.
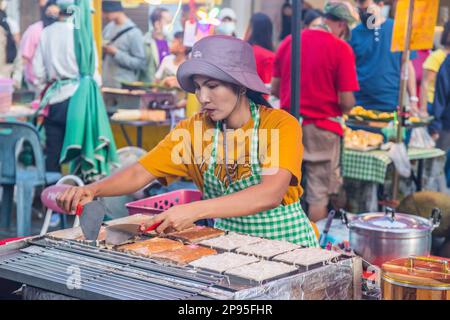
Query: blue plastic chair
x=11 y=134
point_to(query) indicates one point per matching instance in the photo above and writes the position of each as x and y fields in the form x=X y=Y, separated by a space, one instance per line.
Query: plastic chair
x=11 y=136
x=49 y=212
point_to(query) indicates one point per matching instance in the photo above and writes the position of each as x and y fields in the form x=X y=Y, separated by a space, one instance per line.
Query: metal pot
x=380 y=237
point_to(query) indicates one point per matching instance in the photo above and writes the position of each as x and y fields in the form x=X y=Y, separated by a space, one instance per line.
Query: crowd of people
x=346 y=60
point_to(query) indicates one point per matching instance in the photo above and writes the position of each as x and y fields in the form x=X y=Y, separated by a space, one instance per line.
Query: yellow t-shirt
x=433 y=63
x=186 y=150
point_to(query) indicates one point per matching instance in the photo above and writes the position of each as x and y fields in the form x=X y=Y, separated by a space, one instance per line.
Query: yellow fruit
x=385 y=115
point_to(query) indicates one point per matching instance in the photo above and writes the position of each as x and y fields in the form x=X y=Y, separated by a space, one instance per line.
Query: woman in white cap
x=252 y=186
x=227 y=26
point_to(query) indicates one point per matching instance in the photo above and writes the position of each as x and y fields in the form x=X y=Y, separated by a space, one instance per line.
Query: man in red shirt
x=328 y=80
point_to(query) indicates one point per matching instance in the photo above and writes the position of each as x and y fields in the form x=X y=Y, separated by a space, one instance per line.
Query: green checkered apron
x=287 y=223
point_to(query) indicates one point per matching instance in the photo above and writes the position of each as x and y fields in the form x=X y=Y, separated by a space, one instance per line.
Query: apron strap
x=50 y=92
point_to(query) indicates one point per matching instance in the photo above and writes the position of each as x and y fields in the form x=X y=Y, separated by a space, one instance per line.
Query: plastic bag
x=390 y=132
x=399 y=156
x=420 y=138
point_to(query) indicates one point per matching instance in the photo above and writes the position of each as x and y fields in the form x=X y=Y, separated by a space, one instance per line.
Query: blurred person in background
x=156 y=41
x=378 y=67
x=259 y=34
x=56 y=70
x=123 y=47
x=286 y=20
x=418 y=62
x=440 y=128
x=328 y=80
x=10 y=62
x=30 y=41
x=313 y=18
x=286 y=17
x=186 y=14
x=227 y=26
x=431 y=68
x=167 y=70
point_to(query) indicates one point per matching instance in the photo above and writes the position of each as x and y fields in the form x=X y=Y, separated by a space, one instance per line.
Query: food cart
x=60 y=266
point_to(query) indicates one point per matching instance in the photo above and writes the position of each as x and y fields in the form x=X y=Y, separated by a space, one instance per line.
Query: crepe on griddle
x=184 y=255
x=223 y=262
x=151 y=246
x=196 y=234
x=263 y=270
x=268 y=248
x=307 y=256
x=230 y=241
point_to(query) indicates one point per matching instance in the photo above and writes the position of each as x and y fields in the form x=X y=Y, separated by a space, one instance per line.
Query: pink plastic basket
x=162 y=202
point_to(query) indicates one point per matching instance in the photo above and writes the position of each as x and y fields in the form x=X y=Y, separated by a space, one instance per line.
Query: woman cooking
x=255 y=188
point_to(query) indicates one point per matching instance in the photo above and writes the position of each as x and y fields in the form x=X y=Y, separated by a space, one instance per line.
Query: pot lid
x=391 y=222
x=419 y=271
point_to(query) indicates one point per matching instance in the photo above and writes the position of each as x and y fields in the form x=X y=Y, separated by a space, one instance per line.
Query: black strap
x=121 y=33
x=117 y=36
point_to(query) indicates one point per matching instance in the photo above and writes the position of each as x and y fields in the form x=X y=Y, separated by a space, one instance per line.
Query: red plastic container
x=162 y=202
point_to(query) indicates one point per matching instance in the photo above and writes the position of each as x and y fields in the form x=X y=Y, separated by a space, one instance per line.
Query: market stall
x=371 y=170
x=200 y=263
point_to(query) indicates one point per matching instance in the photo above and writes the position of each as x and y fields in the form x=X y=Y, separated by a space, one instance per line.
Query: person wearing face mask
x=378 y=68
x=123 y=47
x=156 y=41
x=328 y=80
x=252 y=186
x=227 y=24
x=30 y=41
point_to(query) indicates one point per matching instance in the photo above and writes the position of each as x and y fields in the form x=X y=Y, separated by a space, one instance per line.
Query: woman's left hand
x=179 y=217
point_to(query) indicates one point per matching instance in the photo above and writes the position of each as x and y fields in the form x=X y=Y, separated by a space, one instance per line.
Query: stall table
x=371 y=167
x=139 y=125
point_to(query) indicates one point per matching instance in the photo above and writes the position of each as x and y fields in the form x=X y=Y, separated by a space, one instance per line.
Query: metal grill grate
x=55 y=265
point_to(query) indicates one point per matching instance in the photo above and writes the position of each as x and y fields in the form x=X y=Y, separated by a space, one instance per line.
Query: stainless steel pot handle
x=436 y=217
x=391 y=212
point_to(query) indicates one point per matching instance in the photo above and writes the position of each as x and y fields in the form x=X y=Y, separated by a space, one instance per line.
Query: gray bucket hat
x=223 y=58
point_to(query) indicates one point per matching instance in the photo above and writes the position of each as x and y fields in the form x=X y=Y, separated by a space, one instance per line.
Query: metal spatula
x=121 y=233
x=91 y=219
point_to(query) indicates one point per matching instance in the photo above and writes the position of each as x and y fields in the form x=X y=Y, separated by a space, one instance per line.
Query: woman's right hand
x=72 y=197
